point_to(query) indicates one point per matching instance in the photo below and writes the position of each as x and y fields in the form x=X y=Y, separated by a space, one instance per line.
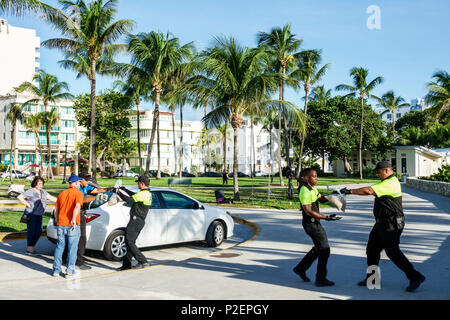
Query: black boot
x=414 y=284
x=301 y=274
x=324 y=283
x=363 y=283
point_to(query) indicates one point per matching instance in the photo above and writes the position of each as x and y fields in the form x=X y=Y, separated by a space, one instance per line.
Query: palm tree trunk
x=138 y=102
x=93 y=136
x=174 y=139
x=235 y=163
x=13 y=140
x=181 y=140
x=158 y=147
x=279 y=144
x=154 y=126
x=302 y=144
x=225 y=146
x=39 y=147
x=270 y=155
x=49 y=155
x=253 y=148
x=360 y=140
x=393 y=126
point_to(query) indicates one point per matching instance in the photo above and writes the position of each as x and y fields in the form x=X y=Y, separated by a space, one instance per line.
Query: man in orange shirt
x=67 y=219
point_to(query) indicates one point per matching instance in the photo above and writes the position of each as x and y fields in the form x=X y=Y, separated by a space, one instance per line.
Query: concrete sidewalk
x=259 y=269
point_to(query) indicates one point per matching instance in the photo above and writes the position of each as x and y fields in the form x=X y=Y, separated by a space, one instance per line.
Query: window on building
x=399 y=115
x=68 y=123
x=389 y=116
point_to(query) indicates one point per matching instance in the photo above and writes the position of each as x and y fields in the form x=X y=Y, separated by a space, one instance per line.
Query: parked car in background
x=184 y=174
x=260 y=174
x=163 y=174
x=240 y=174
x=15 y=174
x=211 y=174
x=128 y=173
x=173 y=218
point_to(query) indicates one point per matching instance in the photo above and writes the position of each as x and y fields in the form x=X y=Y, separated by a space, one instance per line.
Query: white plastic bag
x=338 y=201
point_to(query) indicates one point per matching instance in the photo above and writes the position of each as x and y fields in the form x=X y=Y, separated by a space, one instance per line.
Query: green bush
x=443 y=175
x=3 y=167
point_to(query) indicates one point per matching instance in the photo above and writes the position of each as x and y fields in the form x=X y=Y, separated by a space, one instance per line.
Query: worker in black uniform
x=389 y=224
x=309 y=202
x=141 y=202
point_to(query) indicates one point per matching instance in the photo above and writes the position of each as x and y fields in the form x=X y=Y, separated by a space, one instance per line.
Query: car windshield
x=100 y=199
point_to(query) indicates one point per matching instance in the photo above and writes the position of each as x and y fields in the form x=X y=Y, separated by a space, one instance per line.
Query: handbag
x=25 y=218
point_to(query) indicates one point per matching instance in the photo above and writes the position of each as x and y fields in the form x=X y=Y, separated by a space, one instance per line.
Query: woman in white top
x=35 y=201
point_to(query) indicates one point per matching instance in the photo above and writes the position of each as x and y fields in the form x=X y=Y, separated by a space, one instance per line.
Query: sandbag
x=338 y=201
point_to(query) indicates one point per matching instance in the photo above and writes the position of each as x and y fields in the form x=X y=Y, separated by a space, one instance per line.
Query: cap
x=144 y=179
x=74 y=178
x=382 y=165
x=84 y=175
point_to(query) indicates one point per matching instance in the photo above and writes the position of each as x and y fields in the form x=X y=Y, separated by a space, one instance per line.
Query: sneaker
x=362 y=283
x=324 y=283
x=85 y=267
x=414 y=284
x=70 y=276
x=56 y=274
x=301 y=274
x=31 y=253
x=141 y=265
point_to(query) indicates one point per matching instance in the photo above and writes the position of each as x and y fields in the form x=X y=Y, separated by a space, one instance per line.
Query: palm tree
x=134 y=88
x=177 y=95
x=91 y=32
x=233 y=77
x=14 y=114
x=308 y=74
x=25 y=7
x=321 y=95
x=49 y=119
x=281 y=45
x=33 y=123
x=362 y=87
x=48 y=89
x=439 y=93
x=391 y=103
x=156 y=55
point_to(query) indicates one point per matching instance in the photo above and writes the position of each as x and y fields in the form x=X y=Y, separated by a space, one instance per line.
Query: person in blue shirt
x=89 y=193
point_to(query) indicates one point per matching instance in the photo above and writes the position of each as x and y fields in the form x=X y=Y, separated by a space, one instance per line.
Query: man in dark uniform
x=141 y=202
x=309 y=202
x=389 y=223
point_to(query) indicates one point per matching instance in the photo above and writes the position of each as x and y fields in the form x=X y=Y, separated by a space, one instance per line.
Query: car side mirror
x=197 y=206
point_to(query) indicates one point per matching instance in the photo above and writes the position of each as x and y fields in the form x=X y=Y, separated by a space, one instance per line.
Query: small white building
x=413 y=161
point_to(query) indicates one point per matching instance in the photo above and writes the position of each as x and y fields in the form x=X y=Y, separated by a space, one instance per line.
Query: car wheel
x=215 y=234
x=115 y=247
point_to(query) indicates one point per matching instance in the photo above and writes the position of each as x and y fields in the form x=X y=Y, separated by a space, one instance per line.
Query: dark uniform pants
x=321 y=249
x=134 y=227
x=380 y=239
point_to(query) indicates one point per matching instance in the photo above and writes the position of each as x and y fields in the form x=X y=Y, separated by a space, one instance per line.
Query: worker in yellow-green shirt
x=309 y=202
x=389 y=224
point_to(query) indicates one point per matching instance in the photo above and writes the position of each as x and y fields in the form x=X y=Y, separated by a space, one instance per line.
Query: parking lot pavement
x=257 y=269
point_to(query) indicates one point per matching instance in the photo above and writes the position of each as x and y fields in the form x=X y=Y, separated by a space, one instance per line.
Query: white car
x=128 y=173
x=15 y=174
x=173 y=218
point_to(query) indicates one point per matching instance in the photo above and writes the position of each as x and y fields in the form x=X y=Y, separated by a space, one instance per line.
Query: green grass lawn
x=9 y=221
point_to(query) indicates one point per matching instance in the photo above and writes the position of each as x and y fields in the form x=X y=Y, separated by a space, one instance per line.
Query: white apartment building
x=18 y=56
x=416 y=104
x=63 y=135
x=195 y=154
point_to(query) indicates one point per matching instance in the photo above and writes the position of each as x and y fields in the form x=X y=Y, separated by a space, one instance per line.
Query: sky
x=404 y=41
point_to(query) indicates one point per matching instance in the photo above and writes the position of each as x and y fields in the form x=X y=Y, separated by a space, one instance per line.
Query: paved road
x=256 y=269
